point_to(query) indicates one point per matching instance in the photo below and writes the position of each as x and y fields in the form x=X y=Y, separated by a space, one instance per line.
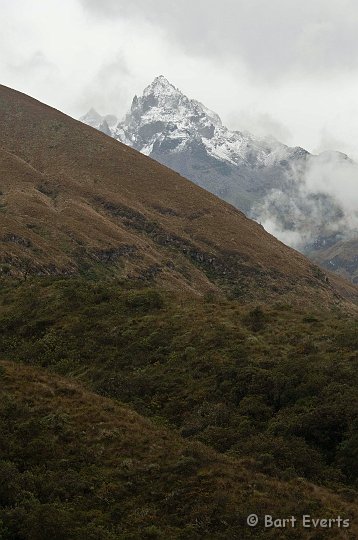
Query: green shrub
x=255 y=320
x=144 y=301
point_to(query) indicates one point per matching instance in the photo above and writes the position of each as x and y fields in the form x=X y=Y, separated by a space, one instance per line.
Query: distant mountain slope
x=262 y=177
x=341 y=257
x=72 y=198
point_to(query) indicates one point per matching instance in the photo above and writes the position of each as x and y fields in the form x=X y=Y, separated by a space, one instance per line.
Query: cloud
x=106 y=87
x=321 y=200
x=295 y=239
x=262 y=124
x=272 y=38
x=35 y=62
x=337 y=175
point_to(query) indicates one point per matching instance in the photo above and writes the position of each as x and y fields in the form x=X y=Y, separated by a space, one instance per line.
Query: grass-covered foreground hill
x=77 y=466
x=227 y=410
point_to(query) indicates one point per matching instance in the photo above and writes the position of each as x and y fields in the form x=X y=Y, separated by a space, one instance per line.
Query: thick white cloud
x=283 y=67
x=271 y=37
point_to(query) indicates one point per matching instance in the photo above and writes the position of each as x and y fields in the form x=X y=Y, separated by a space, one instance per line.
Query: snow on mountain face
x=262 y=177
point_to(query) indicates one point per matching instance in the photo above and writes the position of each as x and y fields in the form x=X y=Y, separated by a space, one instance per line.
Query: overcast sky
x=282 y=67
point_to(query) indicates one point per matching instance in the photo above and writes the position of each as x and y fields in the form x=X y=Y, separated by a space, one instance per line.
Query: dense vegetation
x=75 y=466
x=270 y=383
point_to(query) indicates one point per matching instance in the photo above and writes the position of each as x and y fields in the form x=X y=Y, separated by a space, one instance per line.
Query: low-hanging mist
x=319 y=200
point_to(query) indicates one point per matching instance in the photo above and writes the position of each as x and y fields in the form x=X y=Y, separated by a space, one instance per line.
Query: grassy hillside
x=271 y=382
x=75 y=466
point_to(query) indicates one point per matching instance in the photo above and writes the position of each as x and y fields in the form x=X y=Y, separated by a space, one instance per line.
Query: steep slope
x=267 y=180
x=72 y=197
x=75 y=466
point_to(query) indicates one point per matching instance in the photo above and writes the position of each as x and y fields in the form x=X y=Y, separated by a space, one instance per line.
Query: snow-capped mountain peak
x=164 y=115
x=162 y=100
x=161 y=87
x=164 y=119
